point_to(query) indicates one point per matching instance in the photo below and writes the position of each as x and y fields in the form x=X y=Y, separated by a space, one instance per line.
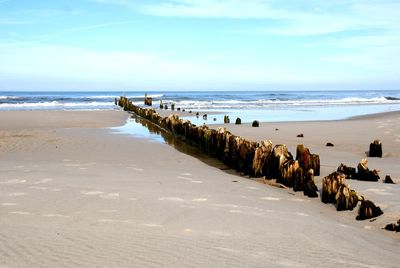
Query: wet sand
x=72 y=193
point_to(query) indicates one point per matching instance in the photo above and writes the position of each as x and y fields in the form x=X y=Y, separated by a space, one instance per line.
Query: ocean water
x=248 y=105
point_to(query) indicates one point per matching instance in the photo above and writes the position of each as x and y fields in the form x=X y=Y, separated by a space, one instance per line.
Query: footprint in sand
x=15 y=181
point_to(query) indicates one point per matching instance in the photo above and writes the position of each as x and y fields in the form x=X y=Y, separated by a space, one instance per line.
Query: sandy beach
x=75 y=193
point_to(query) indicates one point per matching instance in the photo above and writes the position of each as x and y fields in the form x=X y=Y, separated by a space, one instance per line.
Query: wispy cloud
x=5 y=21
x=295 y=18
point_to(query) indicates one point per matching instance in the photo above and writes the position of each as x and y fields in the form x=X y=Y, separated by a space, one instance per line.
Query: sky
x=199 y=44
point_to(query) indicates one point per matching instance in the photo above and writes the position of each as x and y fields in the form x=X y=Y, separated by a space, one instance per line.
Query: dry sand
x=74 y=194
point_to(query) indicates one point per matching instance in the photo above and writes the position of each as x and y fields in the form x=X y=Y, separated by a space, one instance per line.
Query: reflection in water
x=139 y=127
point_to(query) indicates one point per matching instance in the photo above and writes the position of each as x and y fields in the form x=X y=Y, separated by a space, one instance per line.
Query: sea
x=265 y=106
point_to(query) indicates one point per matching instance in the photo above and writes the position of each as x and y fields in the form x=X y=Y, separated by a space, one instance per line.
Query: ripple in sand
x=227 y=205
x=38 y=187
x=184 y=178
x=235 y=211
x=107 y=210
x=177 y=199
x=290 y=263
x=302 y=214
x=21 y=213
x=91 y=192
x=8 y=204
x=252 y=188
x=269 y=198
x=43 y=181
x=199 y=199
x=15 y=181
x=188 y=230
x=196 y=182
x=55 y=215
x=154 y=225
x=230 y=250
x=113 y=221
x=378 y=191
x=72 y=165
x=17 y=194
x=186 y=174
x=132 y=199
x=110 y=196
x=56 y=190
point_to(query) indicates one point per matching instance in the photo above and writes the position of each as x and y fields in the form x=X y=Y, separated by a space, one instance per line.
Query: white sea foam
x=55 y=104
x=223 y=104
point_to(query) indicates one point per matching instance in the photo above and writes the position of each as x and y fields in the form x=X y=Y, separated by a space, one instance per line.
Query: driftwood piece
x=350 y=172
x=368 y=210
x=261 y=158
x=375 y=149
x=364 y=174
x=330 y=186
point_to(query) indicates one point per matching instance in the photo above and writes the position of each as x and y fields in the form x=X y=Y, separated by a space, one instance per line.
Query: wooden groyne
x=247 y=157
x=261 y=159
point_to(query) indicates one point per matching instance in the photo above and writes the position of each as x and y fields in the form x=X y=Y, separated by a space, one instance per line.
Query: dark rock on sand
x=329 y=144
x=238 y=121
x=255 y=123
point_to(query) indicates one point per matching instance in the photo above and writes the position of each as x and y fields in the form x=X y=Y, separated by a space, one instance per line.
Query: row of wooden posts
x=249 y=158
x=261 y=159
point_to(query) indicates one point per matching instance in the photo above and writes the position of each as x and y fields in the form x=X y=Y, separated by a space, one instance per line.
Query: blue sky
x=199 y=44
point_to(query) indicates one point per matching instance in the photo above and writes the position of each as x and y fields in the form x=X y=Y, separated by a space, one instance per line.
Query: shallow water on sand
x=141 y=128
